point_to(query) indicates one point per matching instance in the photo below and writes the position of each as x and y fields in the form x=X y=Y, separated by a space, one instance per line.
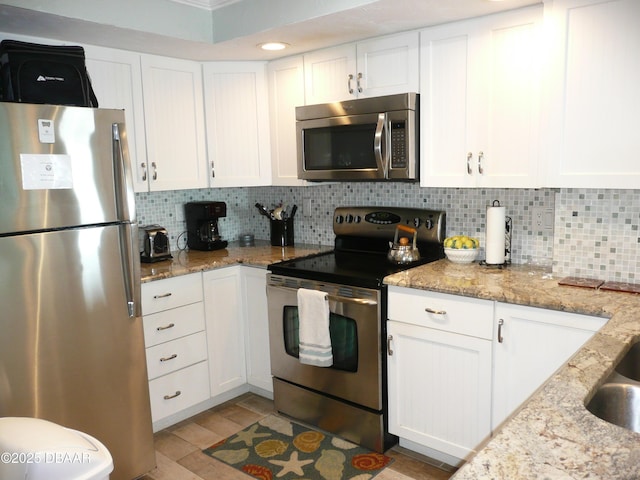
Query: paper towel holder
x=507 y=242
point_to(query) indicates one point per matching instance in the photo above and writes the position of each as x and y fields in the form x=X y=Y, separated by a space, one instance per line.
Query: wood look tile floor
x=179 y=448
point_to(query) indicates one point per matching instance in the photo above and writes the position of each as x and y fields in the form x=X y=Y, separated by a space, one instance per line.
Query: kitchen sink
x=629 y=366
x=617 y=400
x=617 y=403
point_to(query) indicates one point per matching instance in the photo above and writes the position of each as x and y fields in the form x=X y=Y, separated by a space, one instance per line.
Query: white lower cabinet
x=225 y=330
x=176 y=348
x=254 y=289
x=439 y=372
x=459 y=366
x=530 y=344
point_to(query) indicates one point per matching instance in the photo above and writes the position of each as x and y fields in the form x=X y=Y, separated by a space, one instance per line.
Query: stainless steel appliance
x=155 y=244
x=202 y=225
x=71 y=341
x=350 y=397
x=365 y=139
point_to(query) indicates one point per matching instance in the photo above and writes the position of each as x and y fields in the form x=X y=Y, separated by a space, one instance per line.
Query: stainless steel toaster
x=154 y=244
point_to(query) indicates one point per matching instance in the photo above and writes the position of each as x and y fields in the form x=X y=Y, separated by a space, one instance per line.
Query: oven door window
x=344 y=338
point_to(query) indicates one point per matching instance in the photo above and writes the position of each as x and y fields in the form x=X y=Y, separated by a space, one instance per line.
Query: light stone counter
x=552 y=436
x=260 y=255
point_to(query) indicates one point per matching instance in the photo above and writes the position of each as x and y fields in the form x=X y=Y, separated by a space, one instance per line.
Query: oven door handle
x=359 y=301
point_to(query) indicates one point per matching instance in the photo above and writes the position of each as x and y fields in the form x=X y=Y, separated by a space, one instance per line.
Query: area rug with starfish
x=276 y=447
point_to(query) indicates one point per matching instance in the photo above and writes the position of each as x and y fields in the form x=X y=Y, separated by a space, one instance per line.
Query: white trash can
x=35 y=449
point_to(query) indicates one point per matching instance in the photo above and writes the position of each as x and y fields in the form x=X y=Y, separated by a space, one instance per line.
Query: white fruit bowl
x=461 y=255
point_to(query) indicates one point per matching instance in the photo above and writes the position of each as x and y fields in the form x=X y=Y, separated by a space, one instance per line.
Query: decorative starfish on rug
x=292 y=465
x=248 y=436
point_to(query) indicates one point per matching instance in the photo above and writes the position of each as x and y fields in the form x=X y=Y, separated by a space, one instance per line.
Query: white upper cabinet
x=237 y=119
x=480 y=101
x=174 y=118
x=380 y=66
x=593 y=95
x=117 y=81
x=286 y=92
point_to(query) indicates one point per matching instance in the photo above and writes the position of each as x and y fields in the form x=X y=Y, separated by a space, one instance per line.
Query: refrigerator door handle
x=131 y=267
x=123 y=175
x=125 y=204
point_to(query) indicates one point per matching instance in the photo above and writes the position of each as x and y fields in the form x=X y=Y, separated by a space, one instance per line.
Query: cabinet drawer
x=451 y=313
x=171 y=324
x=171 y=356
x=171 y=293
x=179 y=390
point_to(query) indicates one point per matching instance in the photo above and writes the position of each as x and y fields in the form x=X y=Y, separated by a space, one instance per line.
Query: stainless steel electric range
x=349 y=398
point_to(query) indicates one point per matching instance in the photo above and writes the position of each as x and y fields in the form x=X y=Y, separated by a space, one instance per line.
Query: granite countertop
x=191 y=261
x=552 y=436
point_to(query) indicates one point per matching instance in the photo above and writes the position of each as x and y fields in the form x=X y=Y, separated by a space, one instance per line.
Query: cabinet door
x=174 y=123
x=116 y=78
x=439 y=388
x=445 y=125
x=388 y=65
x=480 y=101
x=286 y=92
x=529 y=346
x=330 y=75
x=508 y=112
x=593 y=95
x=254 y=286
x=237 y=112
x=225 y=331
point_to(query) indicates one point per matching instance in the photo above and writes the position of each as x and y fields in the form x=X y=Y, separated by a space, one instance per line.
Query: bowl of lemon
x=461 y=248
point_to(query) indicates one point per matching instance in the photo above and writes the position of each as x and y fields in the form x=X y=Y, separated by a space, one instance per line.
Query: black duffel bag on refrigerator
x=52 y=74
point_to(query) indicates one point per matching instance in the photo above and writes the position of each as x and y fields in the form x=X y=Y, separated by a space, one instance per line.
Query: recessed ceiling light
x=273 y=46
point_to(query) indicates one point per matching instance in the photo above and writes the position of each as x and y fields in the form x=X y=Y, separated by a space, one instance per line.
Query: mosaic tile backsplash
x=595 y=232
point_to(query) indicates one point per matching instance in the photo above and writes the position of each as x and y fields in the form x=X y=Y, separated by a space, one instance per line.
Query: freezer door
x=61 y=166
x=69 y=351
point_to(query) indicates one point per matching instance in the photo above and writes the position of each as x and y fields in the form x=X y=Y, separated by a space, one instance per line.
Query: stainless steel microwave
x=371 y=139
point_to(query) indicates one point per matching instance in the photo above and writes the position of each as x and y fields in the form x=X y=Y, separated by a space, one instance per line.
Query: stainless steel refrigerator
x=71 y=339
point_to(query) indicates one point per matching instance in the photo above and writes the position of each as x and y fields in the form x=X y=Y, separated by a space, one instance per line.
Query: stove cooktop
x=347 y=268
x=362 y=242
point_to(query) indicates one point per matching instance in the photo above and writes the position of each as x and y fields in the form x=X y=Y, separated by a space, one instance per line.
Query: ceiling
x=370 y=20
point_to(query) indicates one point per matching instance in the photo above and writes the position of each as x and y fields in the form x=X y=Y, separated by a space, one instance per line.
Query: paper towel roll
x=495 y=241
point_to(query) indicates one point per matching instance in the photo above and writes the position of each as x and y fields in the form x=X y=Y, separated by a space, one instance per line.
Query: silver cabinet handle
x=358 y=82
x=171 y=357
x=500 y=325
x=389 y=339
x=349 y=89
x=169 y=397
x=435 y=312
x=469 y=158
x=166 y=327
x=144 y=171
x=155 y=171
x=213 y=172
x=163 y=295
x=480 y=158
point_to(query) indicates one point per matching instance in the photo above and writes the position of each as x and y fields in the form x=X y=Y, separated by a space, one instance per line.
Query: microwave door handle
x=381 y=157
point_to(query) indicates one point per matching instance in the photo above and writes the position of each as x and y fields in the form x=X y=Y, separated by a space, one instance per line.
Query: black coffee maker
x=202 y=225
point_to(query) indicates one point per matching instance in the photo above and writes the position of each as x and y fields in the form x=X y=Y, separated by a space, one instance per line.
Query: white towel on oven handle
x=314 y=337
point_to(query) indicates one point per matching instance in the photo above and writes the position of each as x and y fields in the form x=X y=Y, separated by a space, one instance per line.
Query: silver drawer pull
x=435 y=312
x=169 y=397
x=164 y=295
x=166 y=327
x=166 y=359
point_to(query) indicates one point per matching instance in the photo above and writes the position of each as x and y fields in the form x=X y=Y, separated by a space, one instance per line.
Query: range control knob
x=428 y=223
x=357 y=219
x=416 y=222
x=349 y=218
x=339 y=219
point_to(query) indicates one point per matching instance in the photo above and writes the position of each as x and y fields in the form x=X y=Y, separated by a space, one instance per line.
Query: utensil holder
x=282 y=232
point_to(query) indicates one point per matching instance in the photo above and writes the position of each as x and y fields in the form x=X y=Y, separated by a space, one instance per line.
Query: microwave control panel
x=398 y=145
